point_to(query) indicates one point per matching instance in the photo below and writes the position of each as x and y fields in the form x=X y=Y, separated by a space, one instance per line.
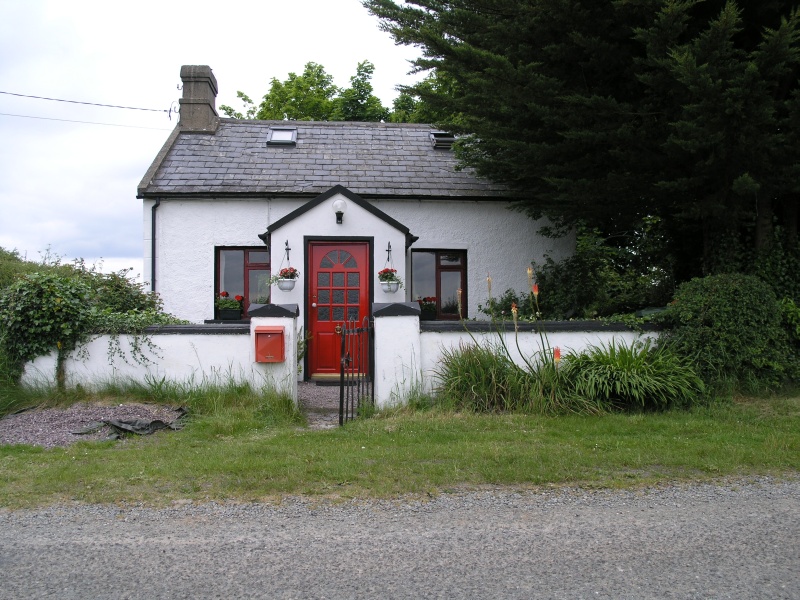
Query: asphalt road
x=738 y=540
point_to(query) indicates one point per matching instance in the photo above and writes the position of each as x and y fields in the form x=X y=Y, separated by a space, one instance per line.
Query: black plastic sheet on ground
x=122 y=427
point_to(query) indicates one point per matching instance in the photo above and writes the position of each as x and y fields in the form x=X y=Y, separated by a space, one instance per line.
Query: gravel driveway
x=735 y=540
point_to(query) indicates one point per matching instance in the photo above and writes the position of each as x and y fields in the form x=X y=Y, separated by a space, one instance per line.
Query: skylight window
x=282 y=136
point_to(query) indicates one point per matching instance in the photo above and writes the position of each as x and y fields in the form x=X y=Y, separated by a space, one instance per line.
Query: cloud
x=71 y=186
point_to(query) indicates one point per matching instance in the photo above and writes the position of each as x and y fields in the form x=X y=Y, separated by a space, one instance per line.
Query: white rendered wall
x=195 y=359
x=498 y=241
x=406 y=359
x=186 y=234
x=397 y=359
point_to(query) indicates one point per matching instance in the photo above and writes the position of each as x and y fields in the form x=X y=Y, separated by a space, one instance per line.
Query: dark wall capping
x=546 y=326
x=235 y=328
x=395 y=309
x=276 y=310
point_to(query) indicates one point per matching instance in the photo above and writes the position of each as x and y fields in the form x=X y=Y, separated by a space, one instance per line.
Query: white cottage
x=229 y=202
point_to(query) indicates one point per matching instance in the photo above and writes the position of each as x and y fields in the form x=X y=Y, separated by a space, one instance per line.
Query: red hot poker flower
x=557 y=354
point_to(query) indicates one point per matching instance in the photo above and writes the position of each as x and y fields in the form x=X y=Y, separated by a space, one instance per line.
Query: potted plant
x=286 y=278
x=229 y=308
x=389 y=280
x=428 y=307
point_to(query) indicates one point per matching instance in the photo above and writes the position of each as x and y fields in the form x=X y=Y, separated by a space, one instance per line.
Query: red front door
x=338 y=291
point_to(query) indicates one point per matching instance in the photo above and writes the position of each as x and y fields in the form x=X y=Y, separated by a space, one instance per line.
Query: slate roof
x=371 y=159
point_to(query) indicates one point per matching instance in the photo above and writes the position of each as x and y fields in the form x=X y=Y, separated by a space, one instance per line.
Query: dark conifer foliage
x=610 y=112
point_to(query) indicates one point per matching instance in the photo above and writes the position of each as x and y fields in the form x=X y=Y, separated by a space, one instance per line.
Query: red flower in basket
x=289 y=273
x=388 y=274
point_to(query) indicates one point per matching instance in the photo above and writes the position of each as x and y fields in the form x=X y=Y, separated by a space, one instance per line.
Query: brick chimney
x=198 y=105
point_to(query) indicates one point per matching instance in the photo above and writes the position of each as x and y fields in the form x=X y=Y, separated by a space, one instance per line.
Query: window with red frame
x=436 y=277
x=243 y=272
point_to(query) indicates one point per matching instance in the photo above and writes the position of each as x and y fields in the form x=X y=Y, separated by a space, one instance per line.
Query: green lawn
x=410 y=452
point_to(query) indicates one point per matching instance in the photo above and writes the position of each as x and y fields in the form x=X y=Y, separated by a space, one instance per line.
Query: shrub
x=42 y=311
x=606 y=276
x=731 y=326
x=779 y=266
x=791 y=321
x=62 y=306
x=637 y=376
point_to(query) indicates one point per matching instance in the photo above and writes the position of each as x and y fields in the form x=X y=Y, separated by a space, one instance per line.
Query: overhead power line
x=87 y=103
x=86 y=122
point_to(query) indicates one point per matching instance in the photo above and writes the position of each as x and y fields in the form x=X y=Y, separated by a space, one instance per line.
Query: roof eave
x=156 y=164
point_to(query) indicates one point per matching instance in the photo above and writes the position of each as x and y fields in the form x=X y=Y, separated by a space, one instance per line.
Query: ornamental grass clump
x=481 y=379
x=635 y=376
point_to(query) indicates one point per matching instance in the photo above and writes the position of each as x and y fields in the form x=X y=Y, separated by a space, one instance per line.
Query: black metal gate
x=356 y=387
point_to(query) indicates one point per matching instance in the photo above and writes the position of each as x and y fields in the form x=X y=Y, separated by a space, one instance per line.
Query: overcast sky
x=69 y=172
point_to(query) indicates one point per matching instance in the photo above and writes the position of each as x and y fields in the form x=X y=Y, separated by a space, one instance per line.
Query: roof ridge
x=329 y=123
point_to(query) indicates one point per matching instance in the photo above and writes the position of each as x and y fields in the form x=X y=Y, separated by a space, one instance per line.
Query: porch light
x=339 y=206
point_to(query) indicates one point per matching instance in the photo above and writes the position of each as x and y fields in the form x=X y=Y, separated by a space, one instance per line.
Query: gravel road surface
x=739 y=539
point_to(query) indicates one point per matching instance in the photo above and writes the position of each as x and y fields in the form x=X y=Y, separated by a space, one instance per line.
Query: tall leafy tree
x=312 y=96
x=411 y=107
x=358 y=103
x=611 y=112
x=305 y=97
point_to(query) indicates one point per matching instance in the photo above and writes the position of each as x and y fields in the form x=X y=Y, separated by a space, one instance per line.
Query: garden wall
x=407 y=351
x=193 y=354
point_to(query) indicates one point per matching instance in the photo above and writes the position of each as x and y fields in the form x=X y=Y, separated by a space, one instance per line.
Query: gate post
x=397 y=352
x=283 y=375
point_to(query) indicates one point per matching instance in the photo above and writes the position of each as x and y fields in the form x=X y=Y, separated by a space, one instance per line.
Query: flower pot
x=230 y=314
x=390 y=287
x=427 y=315
x=286 y=284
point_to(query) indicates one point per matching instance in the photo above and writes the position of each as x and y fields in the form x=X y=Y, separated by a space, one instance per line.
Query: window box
x=229 y=314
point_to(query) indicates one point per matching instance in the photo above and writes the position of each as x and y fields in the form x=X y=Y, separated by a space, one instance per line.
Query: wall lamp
x=339 y=206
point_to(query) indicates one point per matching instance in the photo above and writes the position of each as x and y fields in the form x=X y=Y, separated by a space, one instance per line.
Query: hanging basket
x=390 y=287
x=286 y=285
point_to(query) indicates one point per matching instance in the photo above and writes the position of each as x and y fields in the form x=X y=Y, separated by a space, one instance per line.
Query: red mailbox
x=270 y=344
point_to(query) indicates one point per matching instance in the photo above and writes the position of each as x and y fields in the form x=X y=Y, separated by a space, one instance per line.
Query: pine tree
x=609 y=113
